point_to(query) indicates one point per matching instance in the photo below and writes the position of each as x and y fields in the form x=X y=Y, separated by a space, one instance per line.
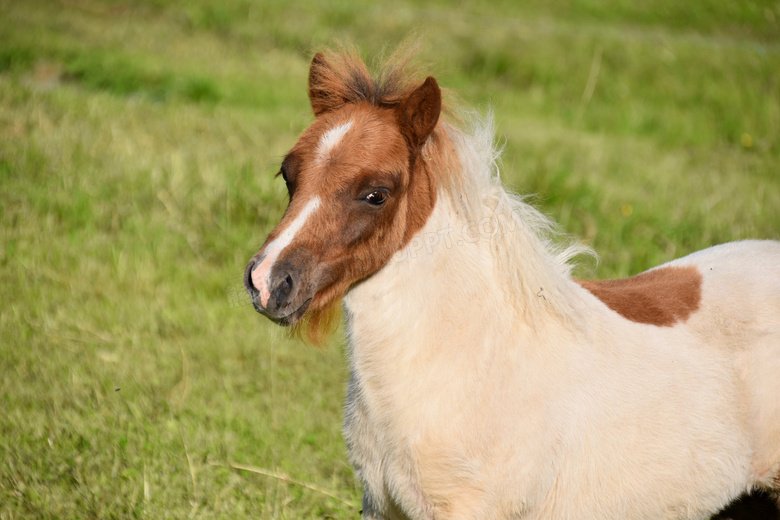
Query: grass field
x=138 y=143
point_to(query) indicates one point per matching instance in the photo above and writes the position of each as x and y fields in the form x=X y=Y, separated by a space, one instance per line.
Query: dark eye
x=283 y=173
x=376 y=198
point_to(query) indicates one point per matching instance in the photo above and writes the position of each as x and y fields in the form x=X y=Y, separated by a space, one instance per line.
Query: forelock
x=348 y=78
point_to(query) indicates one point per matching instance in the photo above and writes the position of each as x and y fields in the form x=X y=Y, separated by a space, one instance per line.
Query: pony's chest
x=383 y=459
x=420 y=465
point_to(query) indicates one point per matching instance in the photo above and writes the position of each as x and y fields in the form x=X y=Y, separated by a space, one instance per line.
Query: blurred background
x=138 y=146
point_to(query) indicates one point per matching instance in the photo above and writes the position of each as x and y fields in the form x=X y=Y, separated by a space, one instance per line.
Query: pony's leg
x=370 y=511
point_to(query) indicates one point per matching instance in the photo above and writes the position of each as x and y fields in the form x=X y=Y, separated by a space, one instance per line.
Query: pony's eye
x=283 y=173
x=376 y=198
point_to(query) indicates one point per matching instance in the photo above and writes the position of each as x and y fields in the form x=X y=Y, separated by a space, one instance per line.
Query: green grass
x=138 y=142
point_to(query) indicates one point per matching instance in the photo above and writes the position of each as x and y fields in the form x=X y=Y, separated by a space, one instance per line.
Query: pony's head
x=360 y=184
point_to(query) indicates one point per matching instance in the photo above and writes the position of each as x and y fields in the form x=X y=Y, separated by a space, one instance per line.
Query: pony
x=487 y=382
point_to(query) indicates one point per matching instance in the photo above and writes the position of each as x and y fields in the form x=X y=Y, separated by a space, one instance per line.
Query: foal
x=485 y=381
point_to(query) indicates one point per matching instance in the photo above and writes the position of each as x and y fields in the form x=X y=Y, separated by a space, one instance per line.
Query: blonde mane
x=529 y=250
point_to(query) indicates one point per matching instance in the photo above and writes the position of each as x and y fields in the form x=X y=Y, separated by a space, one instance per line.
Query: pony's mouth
x=288 y=319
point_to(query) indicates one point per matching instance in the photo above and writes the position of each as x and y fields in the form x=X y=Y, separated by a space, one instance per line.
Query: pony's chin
x=288 y=319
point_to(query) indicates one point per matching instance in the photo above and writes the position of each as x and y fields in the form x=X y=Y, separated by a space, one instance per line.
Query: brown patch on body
x=662 y=297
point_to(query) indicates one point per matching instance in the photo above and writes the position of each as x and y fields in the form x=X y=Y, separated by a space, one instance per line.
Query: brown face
x=357 y=193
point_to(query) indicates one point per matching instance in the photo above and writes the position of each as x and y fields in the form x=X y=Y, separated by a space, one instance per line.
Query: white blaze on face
x=261 y=273
x=331 y=139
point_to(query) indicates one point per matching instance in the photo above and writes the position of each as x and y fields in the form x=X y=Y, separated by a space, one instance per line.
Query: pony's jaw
x=292 y=318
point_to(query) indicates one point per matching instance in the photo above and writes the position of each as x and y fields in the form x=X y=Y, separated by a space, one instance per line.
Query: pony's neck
x=445 y=305
x=481 y=283
x=459 y=279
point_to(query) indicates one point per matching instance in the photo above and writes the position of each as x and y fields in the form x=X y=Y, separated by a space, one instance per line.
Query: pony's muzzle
x=275 y=291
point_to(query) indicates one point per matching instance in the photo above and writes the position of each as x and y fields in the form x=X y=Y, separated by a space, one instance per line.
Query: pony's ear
x=322 y=92
x=419 y=113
